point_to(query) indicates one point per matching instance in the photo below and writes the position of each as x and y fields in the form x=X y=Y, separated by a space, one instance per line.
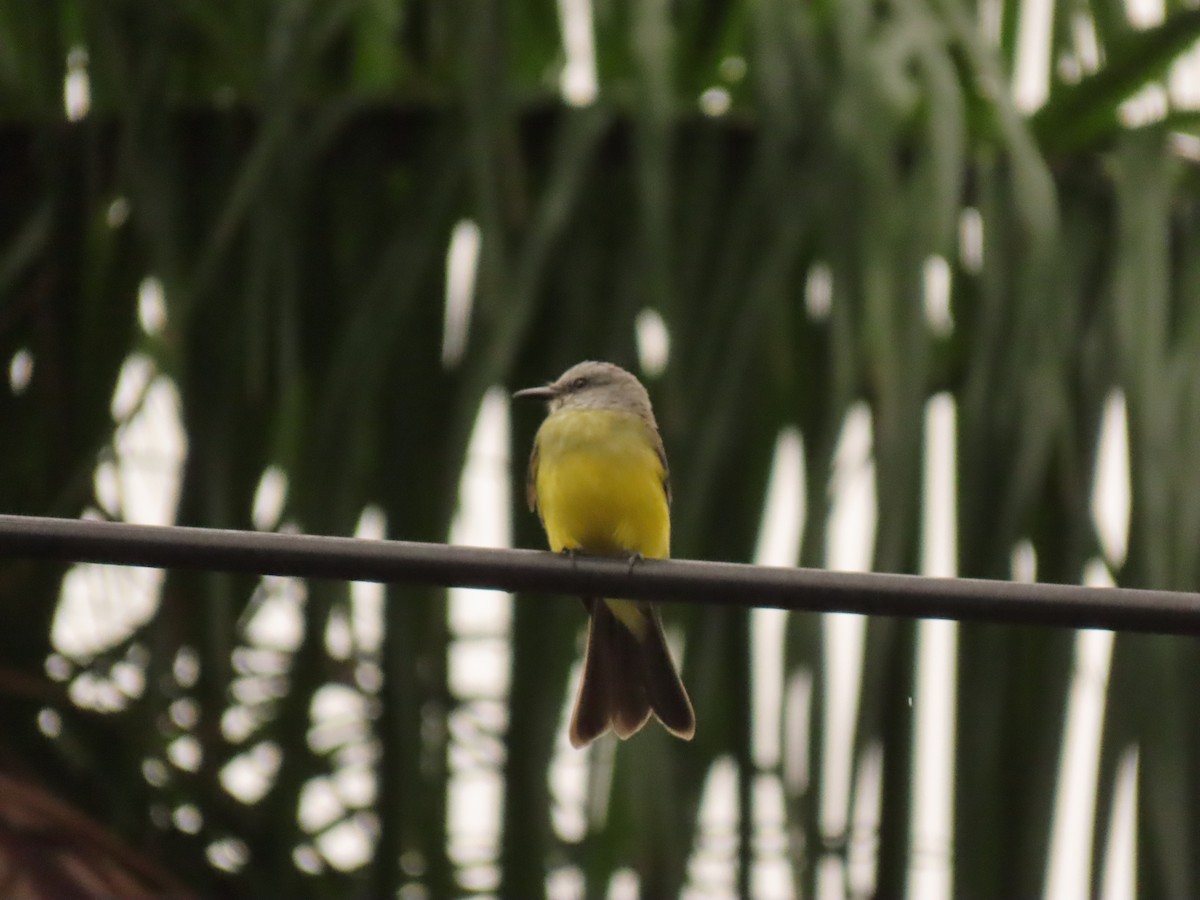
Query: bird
x=599 y=482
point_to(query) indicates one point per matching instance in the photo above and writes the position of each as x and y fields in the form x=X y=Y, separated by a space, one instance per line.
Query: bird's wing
x=531 y=481
x=656 y=439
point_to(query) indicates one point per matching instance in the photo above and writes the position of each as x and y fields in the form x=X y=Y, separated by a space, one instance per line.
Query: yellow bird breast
x=600 y=484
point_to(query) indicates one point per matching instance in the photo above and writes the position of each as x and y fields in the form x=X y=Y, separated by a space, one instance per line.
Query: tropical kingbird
x=598 y=480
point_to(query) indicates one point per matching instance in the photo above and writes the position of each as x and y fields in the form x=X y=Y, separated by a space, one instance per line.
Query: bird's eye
x=579 y=384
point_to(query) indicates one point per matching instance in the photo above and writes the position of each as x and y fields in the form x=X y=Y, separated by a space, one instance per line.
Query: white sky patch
x=565 y=883
x=150 y=450
x=483 y=517
x=228 y=854
x=1182 y=87
x=930 y=874
x=20 y=371
x=780 y=533
x=1111 y=490
x=307 y=859
x=269 y=498
x=100 y=605
x=1119 y=880
x=936 y=281
x=970 y=239
x=366 y=597
x=474 y=796
x=249 y=774
x=480 y=652
x=624 y=885
x=771 y=872
x=1183 y=84
x=797 y=730
x=356 y=784
x=939 y=550
x=339 y=643
x=1186 y=146
x=580 y=780
x=569 y=782
x=348 y=844
x=185 y=713
x=132 y=382
x=1147 y=106
x=831 y=878
x=187 y=818
x=480 y=878
x=1031 y=73
x=1087 y=45
x=851 y=537
x=277 y=620
x=77 y=87
x=1023 y=562
x=851 y=528
x=184 y=753
x=1096 y=574
x=818 y=292
x=319 y=805
x=152 y=301
x=186 y=667
x=782 y=526
x=779 y=537
x=480 y=667
x=711 y=864
x=1145 y=13
x=462 y=266
x=340 y=724
x=578 y=80
x=653 y=342
x=715 y=101
x=117 y=213
x=864 y=832
x=1068 y=873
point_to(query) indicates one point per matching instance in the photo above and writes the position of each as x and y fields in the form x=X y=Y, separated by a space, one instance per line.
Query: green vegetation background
x=293 y=171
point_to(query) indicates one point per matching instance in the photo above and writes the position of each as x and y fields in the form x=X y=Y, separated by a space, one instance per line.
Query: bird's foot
x=634 y=559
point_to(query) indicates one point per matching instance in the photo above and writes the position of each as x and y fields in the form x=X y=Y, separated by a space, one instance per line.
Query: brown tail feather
x=625 y=679
x=590 y=718
x=664 y=688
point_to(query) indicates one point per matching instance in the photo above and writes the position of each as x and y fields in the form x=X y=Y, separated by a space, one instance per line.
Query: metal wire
x=532 y=571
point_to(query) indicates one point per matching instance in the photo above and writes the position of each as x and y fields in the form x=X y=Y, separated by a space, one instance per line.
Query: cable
x=533 y=571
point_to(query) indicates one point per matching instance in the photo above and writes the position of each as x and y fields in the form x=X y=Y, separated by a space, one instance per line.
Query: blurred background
x=915 y=287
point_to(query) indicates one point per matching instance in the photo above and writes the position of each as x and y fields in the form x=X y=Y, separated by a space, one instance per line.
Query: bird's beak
x=537 y=393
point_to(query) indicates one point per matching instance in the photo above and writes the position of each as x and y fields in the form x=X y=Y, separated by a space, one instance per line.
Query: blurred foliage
x=774 y=179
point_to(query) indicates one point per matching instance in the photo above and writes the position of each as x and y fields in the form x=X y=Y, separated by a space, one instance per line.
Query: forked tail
x=626 y=678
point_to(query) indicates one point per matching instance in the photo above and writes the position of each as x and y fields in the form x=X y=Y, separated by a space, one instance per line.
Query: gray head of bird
x=594 y=385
